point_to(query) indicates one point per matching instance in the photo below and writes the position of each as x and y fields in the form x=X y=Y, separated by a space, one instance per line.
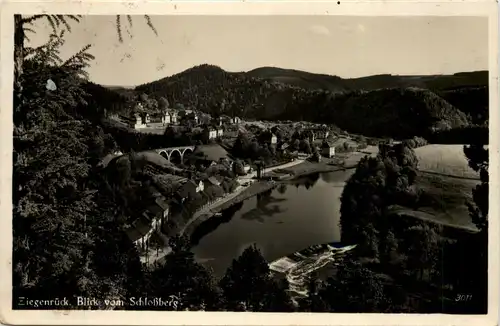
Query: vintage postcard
x=249 y=163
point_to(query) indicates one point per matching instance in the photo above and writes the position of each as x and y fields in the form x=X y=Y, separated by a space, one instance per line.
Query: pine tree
x=248 y=285
x=58 y=221
x=182 y=277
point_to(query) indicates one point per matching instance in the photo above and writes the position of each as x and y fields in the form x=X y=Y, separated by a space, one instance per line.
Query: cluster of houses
x=212 y=132
x=211 y=158
x=140 y=119
x=145 y=120
x=157 y=211
x=151 y=220
x=313 y=135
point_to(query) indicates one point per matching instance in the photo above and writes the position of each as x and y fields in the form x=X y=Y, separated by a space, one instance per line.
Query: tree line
x=433 y=262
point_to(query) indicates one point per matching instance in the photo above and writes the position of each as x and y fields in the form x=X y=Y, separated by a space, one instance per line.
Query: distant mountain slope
x=299 y=78
x=335 y=83
x=473 y=101
x=397 y=113
x=373 y=105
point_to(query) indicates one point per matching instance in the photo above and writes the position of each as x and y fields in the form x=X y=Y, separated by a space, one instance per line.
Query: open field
x=444 y=198
x=446 y=182
x=308 y=167
x=152 y=130
x=444 y=159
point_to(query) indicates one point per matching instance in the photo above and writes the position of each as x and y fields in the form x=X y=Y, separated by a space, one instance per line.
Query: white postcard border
x=369 y=8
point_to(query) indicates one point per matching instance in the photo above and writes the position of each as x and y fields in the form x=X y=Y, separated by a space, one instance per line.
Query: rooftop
x=213 y=181
x=139 y=228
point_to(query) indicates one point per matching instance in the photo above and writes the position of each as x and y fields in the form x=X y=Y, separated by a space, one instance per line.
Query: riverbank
x=295 y=169
x=254 y=189
x=308 y=167
x=240 y=194
x=341 y=162
x=298 y=169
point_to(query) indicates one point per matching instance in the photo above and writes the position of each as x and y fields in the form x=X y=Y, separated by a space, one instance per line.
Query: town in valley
x=148 y=179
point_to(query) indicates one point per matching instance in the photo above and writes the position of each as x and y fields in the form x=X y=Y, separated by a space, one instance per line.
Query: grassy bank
x=308 y=167
x=341 y=161
x=445 y=198
x=445 y=160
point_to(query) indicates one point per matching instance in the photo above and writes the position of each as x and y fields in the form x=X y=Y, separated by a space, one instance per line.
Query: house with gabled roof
x=219 y=131
x=140 y=231
x=212 y=181
x=190 y=188
x=284 y=146
x=223 y=119
x=210 y=132
x=328 y=148
x=149 y=221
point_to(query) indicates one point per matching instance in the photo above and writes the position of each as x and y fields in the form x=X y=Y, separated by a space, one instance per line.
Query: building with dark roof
x=151 y=220
x=328 y=149
x=190 y=189
x=141 y=230
x=213 y=181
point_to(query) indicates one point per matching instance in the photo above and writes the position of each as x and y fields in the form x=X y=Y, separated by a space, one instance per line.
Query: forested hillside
x=367 y=105
x=309 y=80
x=473 y=101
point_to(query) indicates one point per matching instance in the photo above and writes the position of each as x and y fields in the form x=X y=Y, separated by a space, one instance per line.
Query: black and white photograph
x=250 y=163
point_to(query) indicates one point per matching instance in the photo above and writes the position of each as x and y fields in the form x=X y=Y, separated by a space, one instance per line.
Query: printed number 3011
x=463 y=297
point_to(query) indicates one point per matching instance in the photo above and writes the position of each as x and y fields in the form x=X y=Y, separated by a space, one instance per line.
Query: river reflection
x=267 y=206
x=288 y=218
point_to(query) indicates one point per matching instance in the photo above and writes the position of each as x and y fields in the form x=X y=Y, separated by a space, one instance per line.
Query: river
x=288 y=218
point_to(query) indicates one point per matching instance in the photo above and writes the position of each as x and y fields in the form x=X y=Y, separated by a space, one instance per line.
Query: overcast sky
x=336 y=45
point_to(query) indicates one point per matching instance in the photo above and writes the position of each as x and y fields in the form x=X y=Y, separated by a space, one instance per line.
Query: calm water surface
x=281 y=221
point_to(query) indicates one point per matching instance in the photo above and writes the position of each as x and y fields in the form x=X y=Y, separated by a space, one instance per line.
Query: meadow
x=448 y=160
x=446 y=182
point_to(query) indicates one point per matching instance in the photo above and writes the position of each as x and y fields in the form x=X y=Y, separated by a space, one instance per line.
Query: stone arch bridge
x=175 y=154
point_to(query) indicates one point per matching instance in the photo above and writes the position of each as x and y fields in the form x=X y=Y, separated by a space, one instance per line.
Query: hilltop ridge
x=380 y=105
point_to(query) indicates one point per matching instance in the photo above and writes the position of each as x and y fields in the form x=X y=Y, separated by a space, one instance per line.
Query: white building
x=211 y=133
x=200 y=186
x=328 y=149
x=166 y=119
x=173 y=117
x=273 y=139
x=137 y=122
x=219 y=132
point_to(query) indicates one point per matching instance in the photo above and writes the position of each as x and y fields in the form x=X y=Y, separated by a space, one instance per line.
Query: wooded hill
x=381 y=106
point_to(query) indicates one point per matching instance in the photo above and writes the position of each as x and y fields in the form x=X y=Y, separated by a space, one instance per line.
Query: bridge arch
x=165 y=154
x=187 y=151
x=176 y=156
